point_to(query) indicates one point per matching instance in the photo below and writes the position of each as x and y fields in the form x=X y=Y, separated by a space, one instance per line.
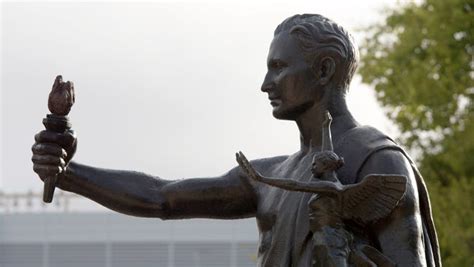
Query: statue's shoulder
x=356 y=146
x=362 y=137
x=264 y=164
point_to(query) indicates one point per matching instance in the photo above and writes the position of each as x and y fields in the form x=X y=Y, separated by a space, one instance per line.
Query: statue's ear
x=324 y=70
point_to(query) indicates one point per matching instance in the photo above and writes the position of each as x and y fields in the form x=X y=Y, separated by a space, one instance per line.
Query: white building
x=106 y=239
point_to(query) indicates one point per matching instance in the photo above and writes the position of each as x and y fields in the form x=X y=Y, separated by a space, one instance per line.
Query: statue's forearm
x=127 y=192
x=143 y=195
x=319 y=187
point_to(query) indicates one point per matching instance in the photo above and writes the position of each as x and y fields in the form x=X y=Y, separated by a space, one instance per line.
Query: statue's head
x=310 y=56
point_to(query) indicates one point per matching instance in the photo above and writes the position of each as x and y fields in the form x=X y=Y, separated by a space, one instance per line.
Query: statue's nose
x=266 y=88
x=268 y=84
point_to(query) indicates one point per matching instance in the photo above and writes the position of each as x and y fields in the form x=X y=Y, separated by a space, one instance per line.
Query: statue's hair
x=319 y=36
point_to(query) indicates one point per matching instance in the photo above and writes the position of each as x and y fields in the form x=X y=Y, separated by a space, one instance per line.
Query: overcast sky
x=170 y=89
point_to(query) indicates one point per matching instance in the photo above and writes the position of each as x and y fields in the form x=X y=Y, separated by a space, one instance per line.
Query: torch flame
x=61 y=97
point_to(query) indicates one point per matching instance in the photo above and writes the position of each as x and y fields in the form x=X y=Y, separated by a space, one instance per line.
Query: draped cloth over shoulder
x=290 y=237
x=364 y=142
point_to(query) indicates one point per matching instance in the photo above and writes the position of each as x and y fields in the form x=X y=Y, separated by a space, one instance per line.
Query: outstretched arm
x=139 y=194
x=320 y=187
x=228 y=196
x=400 y=234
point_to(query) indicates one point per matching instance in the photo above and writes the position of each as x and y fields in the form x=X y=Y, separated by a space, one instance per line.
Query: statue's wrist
x=65 y=178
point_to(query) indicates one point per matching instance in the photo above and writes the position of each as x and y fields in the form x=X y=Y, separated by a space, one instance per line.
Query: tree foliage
x=420 y=61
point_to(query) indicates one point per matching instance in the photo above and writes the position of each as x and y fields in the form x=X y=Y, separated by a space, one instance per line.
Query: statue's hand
x=52 y=152
x=247 y=167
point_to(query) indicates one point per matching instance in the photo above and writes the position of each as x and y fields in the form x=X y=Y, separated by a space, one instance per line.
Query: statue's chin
x=281 y=115
x=289 y=113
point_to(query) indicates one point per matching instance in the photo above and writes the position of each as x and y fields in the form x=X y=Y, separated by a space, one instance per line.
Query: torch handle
x=48 y=189
x=59 y=124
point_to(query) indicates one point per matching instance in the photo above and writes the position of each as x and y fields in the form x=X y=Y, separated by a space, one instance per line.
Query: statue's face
x=290 y=81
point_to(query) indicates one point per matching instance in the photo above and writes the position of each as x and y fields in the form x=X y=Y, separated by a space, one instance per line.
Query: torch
x=60 y=102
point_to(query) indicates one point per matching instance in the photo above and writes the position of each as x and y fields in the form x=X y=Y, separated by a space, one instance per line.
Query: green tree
x=420 y=61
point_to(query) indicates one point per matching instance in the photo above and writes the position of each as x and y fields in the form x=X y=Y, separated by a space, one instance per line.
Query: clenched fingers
x=66 y=139
x=48 y=160
x=45 y=171
x=49 y=149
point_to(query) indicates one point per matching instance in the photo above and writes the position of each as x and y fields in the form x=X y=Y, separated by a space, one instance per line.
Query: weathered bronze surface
x=310 y=65
x=60 y=102
x=363 y=203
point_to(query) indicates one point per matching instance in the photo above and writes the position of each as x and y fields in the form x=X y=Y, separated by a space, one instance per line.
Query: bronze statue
x=310 y=65
x=365 y=202
x=369 y=201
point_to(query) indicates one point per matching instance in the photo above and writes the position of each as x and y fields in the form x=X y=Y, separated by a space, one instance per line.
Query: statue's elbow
x=160 y=209
x=147 y=207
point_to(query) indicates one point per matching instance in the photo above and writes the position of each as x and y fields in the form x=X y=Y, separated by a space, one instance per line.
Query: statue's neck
x=310 y=122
